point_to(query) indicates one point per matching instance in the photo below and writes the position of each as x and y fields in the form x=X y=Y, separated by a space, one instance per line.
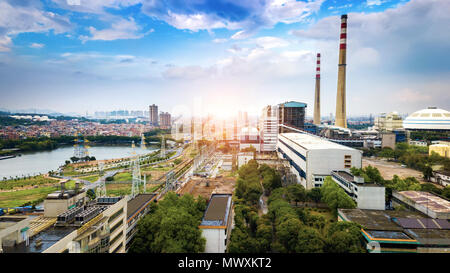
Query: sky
x=225 y=55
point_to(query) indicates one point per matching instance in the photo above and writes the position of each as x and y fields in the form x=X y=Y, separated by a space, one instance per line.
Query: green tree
x=296 y=193
x=314 y=195
x=344 y=237
x=309 y=240
x=171 y=227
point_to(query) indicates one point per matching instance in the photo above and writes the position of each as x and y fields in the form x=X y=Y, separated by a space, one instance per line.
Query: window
x=115 y=215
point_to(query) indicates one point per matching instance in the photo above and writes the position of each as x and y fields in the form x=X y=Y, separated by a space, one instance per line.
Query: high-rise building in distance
x=268 y=124
x=165 y=120
x=153 y=115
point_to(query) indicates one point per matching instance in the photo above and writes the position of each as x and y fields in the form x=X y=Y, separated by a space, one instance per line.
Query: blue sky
x=80 y=55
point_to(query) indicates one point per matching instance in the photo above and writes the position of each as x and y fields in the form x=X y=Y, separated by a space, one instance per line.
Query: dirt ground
x=197 y=186
x=389 y=169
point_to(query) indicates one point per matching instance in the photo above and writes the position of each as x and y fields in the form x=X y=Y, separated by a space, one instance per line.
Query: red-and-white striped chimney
x=341 y=116
x=317 y=93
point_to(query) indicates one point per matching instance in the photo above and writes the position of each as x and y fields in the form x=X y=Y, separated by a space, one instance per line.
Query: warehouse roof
x=217 y=212
x=431 y=201
x=310 y=142
x=137 y=203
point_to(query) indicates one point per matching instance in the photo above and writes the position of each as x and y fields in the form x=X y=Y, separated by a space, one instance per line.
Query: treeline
x=9 y=121
x=372 y=174
x=286 y=228
x=46 y=143
x=171 y=226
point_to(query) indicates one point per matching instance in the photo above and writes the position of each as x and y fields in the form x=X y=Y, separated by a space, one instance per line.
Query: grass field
x=90 y=178
x=326 y=213
x=18 y=198
x=19 y=183
x=118 y=189
x=123 y=177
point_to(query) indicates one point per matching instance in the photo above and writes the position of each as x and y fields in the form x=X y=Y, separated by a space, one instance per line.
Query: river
x=43 y=162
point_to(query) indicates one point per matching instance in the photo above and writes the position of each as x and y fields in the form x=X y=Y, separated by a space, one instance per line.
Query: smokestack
x=341 y=117
x=317 y=96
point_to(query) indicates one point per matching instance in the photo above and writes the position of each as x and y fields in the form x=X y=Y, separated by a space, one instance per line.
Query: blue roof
x=294 y=104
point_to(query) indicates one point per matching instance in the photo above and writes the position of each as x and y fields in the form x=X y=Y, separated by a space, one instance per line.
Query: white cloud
x=27 y=17
x=122 y=29
x=271 y=42
x=36 y=45
x=219 y=41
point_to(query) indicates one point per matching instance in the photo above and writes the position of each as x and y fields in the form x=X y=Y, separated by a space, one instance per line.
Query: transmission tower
x=143 y=141
x=101 y=189
x=136 y=171
x=80 y=148
x=163 y=146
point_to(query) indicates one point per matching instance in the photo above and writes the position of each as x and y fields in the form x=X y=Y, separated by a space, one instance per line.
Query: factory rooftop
x=310 y=142
x=138 y=203
x=217 y=212
x=431 y=201
x=400 y=227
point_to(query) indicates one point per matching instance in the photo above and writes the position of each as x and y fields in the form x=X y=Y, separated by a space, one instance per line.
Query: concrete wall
x=11 y=231
x=371 y=198
x=215 y=240
x=324 y=161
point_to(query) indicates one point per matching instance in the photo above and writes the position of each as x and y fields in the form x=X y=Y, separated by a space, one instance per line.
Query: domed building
x=430 y=119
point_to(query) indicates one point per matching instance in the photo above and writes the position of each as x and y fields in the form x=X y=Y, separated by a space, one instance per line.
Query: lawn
x=33 y=181
x=123 y=177
x=118 y=189
x=18 y=198
x=90 y=178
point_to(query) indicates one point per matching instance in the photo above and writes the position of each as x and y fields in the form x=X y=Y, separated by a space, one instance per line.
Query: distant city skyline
x=231 y=55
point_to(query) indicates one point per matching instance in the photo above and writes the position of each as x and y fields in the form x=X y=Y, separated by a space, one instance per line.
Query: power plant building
x=313 y=158
x=292 y=114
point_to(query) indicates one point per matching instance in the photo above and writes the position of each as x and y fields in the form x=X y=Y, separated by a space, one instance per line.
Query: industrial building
x=367 y=195
x=388 y=122
x=441 y=177
x=392 y=231
x=217 y=222
x=291 y=114
x=137 y=208
x=424 y=202
x=312 y=158
x=442 y=148
x=430 y=119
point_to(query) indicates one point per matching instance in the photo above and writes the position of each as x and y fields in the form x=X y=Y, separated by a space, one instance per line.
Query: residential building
x=153 y=112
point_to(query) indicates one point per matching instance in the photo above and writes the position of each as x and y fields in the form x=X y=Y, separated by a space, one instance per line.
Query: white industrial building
x=366 y=195
x=216 y=223
x=312 y=158
x=244 y=158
